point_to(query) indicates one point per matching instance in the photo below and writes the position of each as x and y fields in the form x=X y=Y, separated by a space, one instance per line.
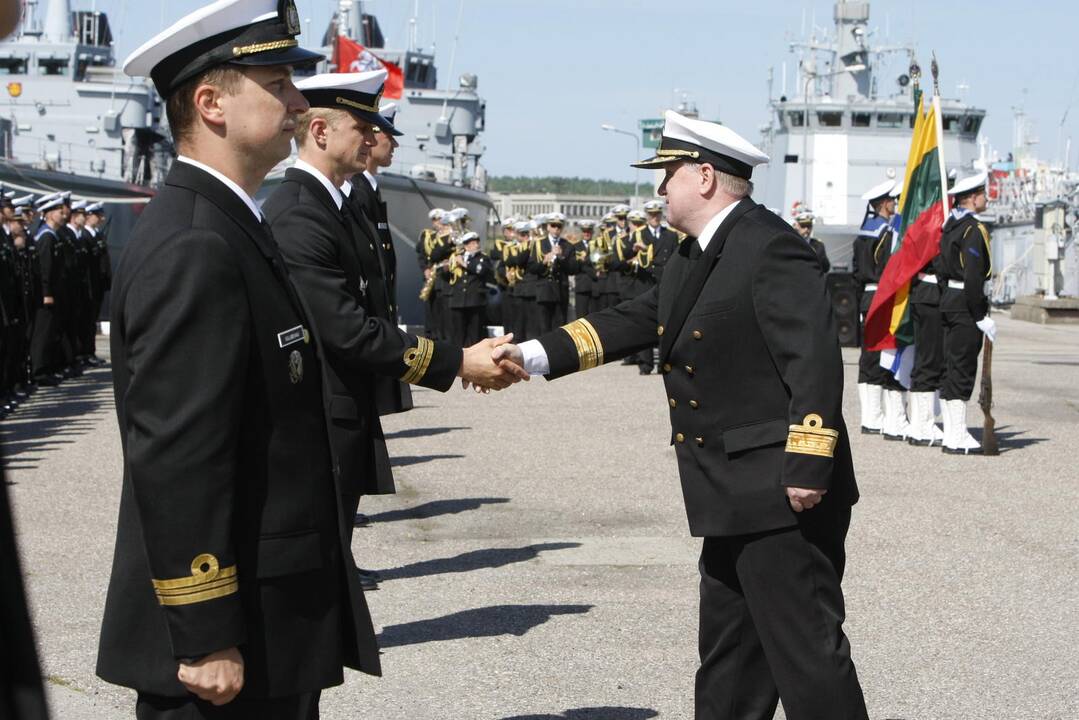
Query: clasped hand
x=483 y=366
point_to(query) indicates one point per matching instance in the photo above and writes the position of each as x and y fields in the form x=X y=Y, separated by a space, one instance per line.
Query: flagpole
x=939 y=121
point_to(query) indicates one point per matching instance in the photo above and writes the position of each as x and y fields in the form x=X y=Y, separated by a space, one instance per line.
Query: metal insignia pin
x=295 y=366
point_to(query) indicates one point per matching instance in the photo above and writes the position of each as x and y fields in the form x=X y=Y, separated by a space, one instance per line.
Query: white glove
x=987 y=326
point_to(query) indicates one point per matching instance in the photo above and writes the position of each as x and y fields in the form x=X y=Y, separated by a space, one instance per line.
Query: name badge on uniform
x=291 y=336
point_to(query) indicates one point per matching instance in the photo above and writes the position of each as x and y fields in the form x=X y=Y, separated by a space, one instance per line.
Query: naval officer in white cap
x=754 y=382
x=233 y=593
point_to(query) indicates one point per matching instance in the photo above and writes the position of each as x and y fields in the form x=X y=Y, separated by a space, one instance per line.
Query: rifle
x=985 y=400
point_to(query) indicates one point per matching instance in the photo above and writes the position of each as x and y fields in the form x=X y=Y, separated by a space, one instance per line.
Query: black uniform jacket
x=319 y=244
x=965 y=256
x=470 y=288
x=870 y=253
x=370 y=202
x=752 y=369
x=584 y=280
x=47 y=247
x=551 y=281
x=391 y=395
x=231 y=530
x=822 y=254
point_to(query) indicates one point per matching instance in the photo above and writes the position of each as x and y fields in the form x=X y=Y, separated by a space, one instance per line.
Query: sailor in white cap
x=754 y=384
x=468 y=275
x=803 y=224
x=99 y=270
x=550 y=264
x=585 y=289
x=46 y=356
x=214 y=354
x=966 y=265
x=366 y=197
x=879 y=393
x=430 y=250
x=82 y=284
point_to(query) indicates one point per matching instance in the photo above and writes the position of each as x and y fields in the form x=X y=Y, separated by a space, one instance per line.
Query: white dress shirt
x=535 y=357
x=240 y=193
x=371 y=179
x=310 y=169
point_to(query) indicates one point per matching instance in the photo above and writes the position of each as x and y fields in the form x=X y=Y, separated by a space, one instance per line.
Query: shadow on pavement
x=422 y=432
x=481 y=622
x=606 y=712
x=436 y=508
x=1008 y=441
x=417 y=459
x=474 y=560
x=54 y=417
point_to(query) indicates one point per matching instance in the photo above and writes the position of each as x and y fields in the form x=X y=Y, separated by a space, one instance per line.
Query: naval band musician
x=757 y=428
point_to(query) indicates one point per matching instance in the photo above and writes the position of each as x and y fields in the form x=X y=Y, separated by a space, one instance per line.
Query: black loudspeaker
x=844 y=293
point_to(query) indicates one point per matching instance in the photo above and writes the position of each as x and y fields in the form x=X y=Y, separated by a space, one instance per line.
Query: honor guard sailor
x=754 y=379
x=966 y=265
x=232 y=593
x=880 y=394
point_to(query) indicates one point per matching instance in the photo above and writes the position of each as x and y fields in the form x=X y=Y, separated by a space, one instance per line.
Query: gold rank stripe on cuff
x=586 y=339
x=811 y=438
x=418 y=359
x=208 y=580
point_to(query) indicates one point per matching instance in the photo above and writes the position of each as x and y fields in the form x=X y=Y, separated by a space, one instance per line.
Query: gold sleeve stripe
x=586 y=339
x=811 y=438
x=418 y=359
x=208 y=580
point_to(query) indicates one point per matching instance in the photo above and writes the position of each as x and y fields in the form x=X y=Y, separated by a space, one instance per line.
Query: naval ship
x=845 y=125
x=75 y=122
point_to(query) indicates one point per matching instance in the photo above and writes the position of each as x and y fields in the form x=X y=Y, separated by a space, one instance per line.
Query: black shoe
x=361 y=520
x=957 y=451
x=645 y=370
x=870 y=431
x=95 y=361
x=919 y=443
x=629 y=361
x=893 y=438
x=373 y=574
x=50 y=380
x=367 y=582
x=69 y=372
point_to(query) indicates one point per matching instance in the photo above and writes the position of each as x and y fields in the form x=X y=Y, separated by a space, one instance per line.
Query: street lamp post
x=637 y=138
x=810 y=77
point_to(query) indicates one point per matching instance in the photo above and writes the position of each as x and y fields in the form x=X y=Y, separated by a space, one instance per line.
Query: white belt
x=926 y=277
x=956 y=284
x=870 y=287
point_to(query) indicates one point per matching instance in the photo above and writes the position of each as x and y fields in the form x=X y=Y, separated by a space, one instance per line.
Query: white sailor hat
x=556 y=218
x=701 y=141
x=622 y=210
x=358 y=93
x=49 y=202
x=468 y=237
x=586 y=224
x=98 y=208
x=388 y=110
x=22 y=202
x=235 y=32
x=636 y=216
x=78 y=206
x=521 y=226
x=653 y=206
x=435 y=214
x=879 y=191
x=969 y=184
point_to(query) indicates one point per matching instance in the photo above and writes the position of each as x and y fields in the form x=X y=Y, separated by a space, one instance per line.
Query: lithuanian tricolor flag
x=888 y=326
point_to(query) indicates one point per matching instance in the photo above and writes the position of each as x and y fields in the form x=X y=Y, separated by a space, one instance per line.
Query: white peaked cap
x=969 y=183
x=636 y=216
x=521 y=226
x=587 y=224
x=459 y=214
x=21 y=202
x=435 y=214
x=358 y=93
x=653 y=206
x=470 y=235
x=701 y=141
x=878 y=191
x=556 y=217
x=247 y=32
x=620 y=209
x=95 y=207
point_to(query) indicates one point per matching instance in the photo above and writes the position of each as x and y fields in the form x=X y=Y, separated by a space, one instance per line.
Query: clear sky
x=553 y=71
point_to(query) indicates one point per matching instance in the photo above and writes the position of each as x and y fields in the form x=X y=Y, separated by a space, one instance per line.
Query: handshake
x=492 y=364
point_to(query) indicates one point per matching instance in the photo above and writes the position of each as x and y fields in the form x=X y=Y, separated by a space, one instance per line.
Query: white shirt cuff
x=536 y=362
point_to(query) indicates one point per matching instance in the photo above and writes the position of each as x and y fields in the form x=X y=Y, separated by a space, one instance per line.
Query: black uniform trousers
x=928 y=348
x=869 y=369
x=295 y=707
x=771 y=624
x=546 y=316
x=962 y=343
x=582 y=304
x=468 y=325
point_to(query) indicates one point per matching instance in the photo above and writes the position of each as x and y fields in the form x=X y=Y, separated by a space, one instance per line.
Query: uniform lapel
x=699 y=271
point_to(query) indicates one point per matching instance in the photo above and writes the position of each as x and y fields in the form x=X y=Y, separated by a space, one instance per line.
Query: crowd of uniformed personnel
x=54 y=273
x=547 y=276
